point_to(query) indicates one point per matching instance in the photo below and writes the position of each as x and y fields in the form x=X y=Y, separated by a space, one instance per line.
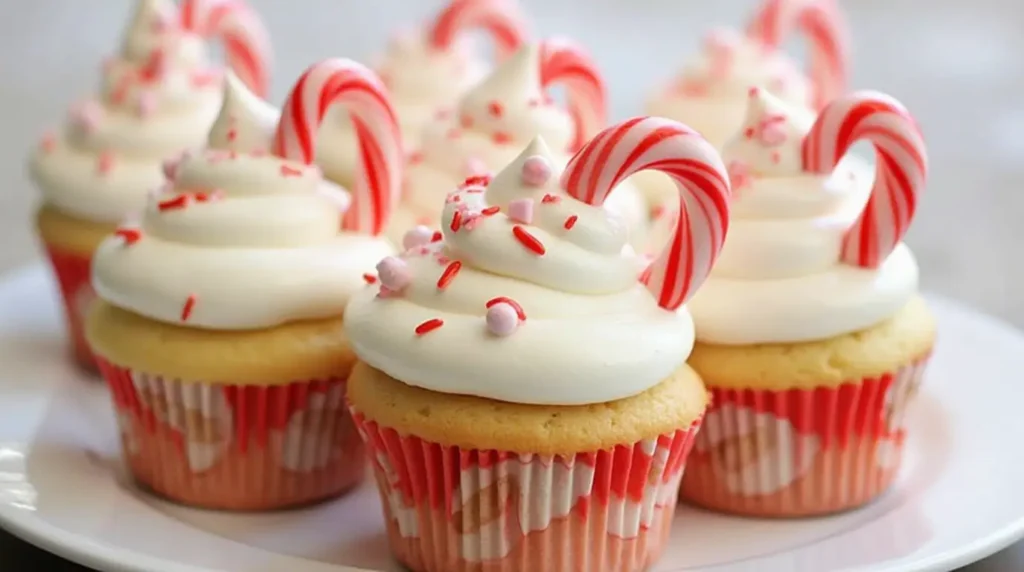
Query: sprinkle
x=417 y=236
x=739 y=174
x=448 y=275
x=570 y=222
x=186 y=310
x=178 y=202
x=369 y=278
x=477 y=180
x=533 y=102
x=86 y=116
x=442 y=259
x=528 y=240
x=521 y=210
x=474 y=191
x=501 y=138
x=48 y=142
x=658 y=211
x=205 y=197
x=205 y=78
x=536 y=171
x=232 y=134
x=474 y=166
x=147 y=104
x=385 y=292
x=748 y=132
x=429 y=326
x=490 y=211
x=495 y=108
x=289 y=171
x=502 y=319
x=456 y=221
x=437 y=236
x=776 y=156
x=443 y=114
x=415 y=157
x=105 y=162
x=466 y=122
x=753 y=91
x=453 y=133
x=549 y=198
x=506 y=300
x=129 y=235
x=471 y=221
x=394 y=273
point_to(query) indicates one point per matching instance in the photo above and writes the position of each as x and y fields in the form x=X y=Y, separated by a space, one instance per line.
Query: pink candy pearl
x=502 y=319
x=521 y=210
x=417 y=236
x=394 y=273
x=536 y=171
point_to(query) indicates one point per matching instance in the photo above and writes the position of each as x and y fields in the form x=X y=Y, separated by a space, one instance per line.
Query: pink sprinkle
x=415 y=157
x=776 y=156
x=474 y=166
x=48 y=142
x=105 y=162
x=536 y=171
x=753 y=91
x=501 y=138
x=232 y=134
x=418 y=236
x=453 y=133
x=394 y=273
x=521 y=210
x=471 y=221
x=384 y=292
x=87 y=116
x=289 y=171
x=495 y=108
x=502 y=319
x=739 y=174
x=442 y=114
x=170 y=168
x=771 y=131
x=466 y=122
x=147 y=104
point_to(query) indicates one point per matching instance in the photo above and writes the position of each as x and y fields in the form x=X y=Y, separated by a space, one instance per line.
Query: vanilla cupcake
x=219 y=328
x=497 y=118
x=426 y=71
x=524 y=397
x=811 y=334
x=158 y=97
x=710 y=93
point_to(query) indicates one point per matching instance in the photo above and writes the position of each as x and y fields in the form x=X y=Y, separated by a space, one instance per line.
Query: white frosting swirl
x=779 y=277
x=492 y=123
x=157 y=98
x=591 y=334
x=240 y=239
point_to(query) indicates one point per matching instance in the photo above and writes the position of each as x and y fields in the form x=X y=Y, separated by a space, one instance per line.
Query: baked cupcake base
x=69 y=244
x=231 y=420
x=473 y=484
x=807 y=429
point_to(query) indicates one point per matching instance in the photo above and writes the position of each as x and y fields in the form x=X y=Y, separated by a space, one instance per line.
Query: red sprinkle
x=130 y=235
x=501 y=138
x=437 y=236
x=415 y=157
x=448 y=275
x=456 y=221
x=178 y=202
x=482 y=180
x=495 y=108
x=489 y=211
x=776 y=157
x=748 y=132
x=466 y=122
x=106 y=162
x=49 y=142
x=232 y=134
x=429 y=326
x=506 y=300
x=551 y=199
x=658 y=211
x=528 y=240
x=186 y=310
x=204 y=197
x=370 y=278
x=570 y=222
x=288 y=171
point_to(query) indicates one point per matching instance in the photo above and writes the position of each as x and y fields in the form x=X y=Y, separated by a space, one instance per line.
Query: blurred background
x=956 y=64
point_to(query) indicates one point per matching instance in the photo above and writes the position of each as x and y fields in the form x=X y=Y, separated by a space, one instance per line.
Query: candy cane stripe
x=500 y=18
x=245 y=39
x=564 y=61
x=901 y=169
x=344 y=82
x=645 y=143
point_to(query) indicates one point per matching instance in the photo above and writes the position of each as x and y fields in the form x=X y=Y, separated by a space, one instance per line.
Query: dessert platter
x=487 y=329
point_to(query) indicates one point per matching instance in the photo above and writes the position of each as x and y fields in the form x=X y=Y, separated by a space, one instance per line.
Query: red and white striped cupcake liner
x=73 y=273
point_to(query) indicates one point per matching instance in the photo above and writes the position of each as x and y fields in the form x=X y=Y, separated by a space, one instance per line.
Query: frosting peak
x=245 y=122
x=771 y=136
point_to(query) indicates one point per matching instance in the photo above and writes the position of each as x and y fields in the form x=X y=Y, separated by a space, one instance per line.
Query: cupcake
x=501 y=115
x=520 y=344
x=811 y=335
x=219 y=321
x=426 y=71
x=710 y=93
x=158 y=97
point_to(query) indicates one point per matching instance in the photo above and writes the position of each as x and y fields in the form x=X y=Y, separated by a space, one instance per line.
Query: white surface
x=61 y=484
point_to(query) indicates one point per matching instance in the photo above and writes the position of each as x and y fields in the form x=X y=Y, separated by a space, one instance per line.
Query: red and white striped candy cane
x=823 y=24
x=664 y=145
x=563 y=61
x=379 y=176
x=501 y=19
x=901 y=168
x=245 y=39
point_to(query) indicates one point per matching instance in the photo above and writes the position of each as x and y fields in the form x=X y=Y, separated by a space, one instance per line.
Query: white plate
x=957 y=500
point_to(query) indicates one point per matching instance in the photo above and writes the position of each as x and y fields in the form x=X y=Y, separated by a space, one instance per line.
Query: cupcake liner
x=241 y=447
x=450 y=509
x=72 y=270
x=801 y=451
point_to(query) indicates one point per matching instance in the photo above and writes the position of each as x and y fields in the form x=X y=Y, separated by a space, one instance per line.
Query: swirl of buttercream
x=157 y=98
x=779 y=277
x=451 y=315
x=238 y=239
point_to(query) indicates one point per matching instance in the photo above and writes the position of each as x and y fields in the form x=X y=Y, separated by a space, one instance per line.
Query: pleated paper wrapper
x=72 y=270
x=237 y=447
x=801 y=452
x=450 y=510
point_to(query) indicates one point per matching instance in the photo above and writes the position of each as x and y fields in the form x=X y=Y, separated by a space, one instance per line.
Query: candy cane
x=499 y=17
x=678 y=151
x=246 y=42
x=378 y=179
x=562 y=60
x=823 y=24
x=901 y=168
